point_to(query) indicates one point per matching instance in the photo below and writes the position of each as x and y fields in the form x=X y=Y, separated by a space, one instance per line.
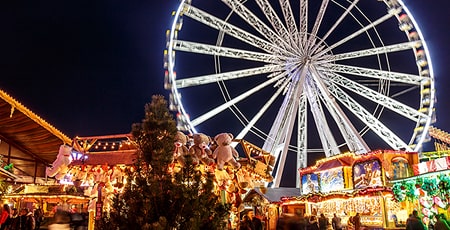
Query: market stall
x=268 y=203
x=348 y=184
x=98 y=166
x=49 y=199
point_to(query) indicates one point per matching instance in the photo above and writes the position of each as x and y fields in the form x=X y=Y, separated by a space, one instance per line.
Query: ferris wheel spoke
x=355 y=34
x=374 y=51
x=318 y=22
x=351 y=136
x=261 y=111
x=230 y=29
x=368 y=119
x=235 y=100
x=329 y=144
x=303 y=22
x=276 y=22
x=374 y=73
x=335 y=25
x=290 y=20
x=212 y=78
x=377 y=97
x=213 y=50
x=255 y=22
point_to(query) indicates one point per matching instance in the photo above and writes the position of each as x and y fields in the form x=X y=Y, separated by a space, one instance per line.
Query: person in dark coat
x=323 y=222
x=300 y=222
x=38 y=217
x=336 y=222
x=26 y=220
x=313 y=224
x=256 y=222
x=414 y=222
x=441 y=223
x=14 y=219
x=357 y=221
x=246 y=223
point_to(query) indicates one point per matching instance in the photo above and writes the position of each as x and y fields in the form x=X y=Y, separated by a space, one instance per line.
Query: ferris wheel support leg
x=294 y=100
x=302 y=138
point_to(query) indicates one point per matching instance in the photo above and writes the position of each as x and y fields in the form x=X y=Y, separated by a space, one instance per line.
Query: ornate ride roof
x=27 y=137
x=272 y=195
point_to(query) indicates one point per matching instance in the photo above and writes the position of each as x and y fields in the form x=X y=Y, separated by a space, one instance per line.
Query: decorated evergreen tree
x=155 y=197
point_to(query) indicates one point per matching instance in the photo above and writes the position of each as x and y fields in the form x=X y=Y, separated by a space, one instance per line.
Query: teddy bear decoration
x=224 y=152
x=200 y=150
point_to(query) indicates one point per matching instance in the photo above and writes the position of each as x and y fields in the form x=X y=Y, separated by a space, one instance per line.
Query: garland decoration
x=430 y=186
x=405 y=190
x=398 y=193
x=444 y=184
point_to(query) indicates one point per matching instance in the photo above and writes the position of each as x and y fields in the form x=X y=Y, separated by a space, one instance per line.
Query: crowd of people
x=414 y=222
x=26 y=219
x=13 y=219
x=313 y=222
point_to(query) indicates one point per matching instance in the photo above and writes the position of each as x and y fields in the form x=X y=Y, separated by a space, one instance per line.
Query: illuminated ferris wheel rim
x=277 y=59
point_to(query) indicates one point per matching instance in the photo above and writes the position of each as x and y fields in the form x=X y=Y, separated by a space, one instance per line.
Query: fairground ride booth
x=99 y=164
x=347 y=184
x=97 y=168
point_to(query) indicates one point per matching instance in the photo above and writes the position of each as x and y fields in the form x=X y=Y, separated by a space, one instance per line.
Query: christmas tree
x=155 y=196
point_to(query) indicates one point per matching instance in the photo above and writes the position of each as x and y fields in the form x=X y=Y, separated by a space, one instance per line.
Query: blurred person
x=282 y=222
x=38 y=217
x=14 y=219
x=246 y=223
x=323 y=222
x=300 y=222
x=357 y=221
x=441 y=223
x=350 y=225
x=414 y=222
x=61 y=221
x=313 y=224
x=26 y=220
x=5 y=217
x=336 y=222
x=442 y=216
x=256 y=222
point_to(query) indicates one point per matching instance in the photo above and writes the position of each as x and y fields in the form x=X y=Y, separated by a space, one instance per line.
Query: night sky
x=89 y=67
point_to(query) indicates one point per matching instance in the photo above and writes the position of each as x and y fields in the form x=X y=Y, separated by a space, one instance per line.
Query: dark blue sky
x=88 y=68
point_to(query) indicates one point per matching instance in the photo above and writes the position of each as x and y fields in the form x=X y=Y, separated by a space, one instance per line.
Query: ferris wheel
x=301 y=77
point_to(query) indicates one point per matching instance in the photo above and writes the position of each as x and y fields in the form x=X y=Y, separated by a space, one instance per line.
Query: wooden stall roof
x=28 y=133
x=6 y=174
x=125 y=157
